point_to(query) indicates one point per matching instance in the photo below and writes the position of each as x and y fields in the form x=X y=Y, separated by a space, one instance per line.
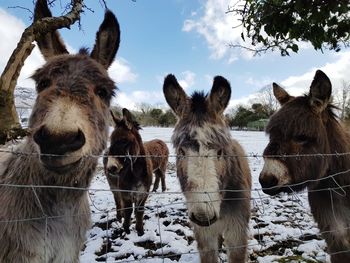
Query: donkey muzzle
x=59 y=152
x=202 y=220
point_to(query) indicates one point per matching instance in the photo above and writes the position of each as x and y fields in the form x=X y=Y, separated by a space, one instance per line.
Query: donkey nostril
x=51 y=143
x=268 y=181
x=70 y=142
x=40 y=135
x=76 y=141
x=112 y=170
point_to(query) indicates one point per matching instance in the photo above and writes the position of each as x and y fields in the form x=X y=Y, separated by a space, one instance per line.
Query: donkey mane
x=295 y=108
x=199 y=104
x=84 y=51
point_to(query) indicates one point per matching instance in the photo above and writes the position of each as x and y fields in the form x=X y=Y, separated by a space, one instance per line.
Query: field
x=281 y=228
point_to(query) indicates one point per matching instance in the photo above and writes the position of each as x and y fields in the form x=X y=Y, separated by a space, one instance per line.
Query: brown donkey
x=68 y=129
x=307 y=126
x=127 y=170
x=216 y=182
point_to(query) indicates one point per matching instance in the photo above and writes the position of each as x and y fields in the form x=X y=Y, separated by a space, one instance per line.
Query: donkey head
x=200 y=138
x=298 y=128
x=125 y=145
x=69 y=118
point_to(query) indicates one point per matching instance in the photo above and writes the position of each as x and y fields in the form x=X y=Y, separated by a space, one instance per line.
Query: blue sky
x=186 y=38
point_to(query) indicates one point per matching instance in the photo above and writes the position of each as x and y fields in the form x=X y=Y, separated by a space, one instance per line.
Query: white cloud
x=258 y=82
x=337 y=72
x=221 y=28
x=11 y=29
x=218 y=29
x=133 y=99
x=120 y=71
x=187 y=79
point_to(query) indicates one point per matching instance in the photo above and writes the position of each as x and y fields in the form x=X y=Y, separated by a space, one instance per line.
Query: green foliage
x=156 y=113
x=243 y=116
x=280 y=24
x=167 y=119
x=146 y=115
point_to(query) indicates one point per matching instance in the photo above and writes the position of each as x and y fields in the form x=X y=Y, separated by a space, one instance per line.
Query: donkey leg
x=127 y=215
x=339 y=248
x=156 y=182
x=236 y=240
x=118 y=205
x=163 y=180
x=162 y=172
x=340 y=257
x=208 y=244
x=139 y=211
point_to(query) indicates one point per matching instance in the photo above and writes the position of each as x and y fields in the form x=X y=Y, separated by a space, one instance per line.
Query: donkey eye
x=102 y=93
x=182 y=152
x=301 y=139
x=43 y=84
x=220 y=153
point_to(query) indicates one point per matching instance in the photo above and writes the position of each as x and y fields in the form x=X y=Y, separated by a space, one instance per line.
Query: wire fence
x=164 y=202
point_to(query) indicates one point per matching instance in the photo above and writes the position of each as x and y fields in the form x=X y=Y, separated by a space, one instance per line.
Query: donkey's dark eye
x=102 y=93
x=302 y=139
x=220 y=153
x=43 y=84
x=182 y=152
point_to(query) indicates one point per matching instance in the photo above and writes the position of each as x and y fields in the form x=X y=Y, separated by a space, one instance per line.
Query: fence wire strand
x=258 y=202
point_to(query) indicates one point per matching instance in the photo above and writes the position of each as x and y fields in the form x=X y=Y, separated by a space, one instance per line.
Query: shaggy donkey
x=67 y=125
x=215 y=180
x=127 y=170
x=307 y=125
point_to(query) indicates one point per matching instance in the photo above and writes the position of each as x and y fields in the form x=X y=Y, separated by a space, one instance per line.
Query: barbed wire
x=338 y=189
x=252 y=155
x=61 y=187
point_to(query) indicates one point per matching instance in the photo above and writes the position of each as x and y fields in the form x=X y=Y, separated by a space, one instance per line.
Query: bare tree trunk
x=8 y=116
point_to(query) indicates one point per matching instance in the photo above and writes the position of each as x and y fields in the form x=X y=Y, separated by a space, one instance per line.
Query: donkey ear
x=280 y=94
x=114 y=117
x=220 y=95
x=175 y=95
x=51 y=43
x=128 y=118
x=320 y=91
x=107 y=40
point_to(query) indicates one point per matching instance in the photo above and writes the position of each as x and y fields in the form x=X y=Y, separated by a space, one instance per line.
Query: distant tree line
x=148 y=115
x=240 y=116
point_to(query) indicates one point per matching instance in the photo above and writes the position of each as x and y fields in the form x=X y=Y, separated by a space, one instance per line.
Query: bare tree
x=9 y=122
x=267 y=99
x=342 y=98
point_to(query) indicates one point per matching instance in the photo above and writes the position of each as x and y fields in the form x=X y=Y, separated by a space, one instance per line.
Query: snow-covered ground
x=282 y=228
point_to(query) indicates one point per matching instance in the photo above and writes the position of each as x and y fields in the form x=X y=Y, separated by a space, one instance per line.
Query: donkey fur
x=48 y=224
x=212 y=171
x=128 y=170
x=307 y=125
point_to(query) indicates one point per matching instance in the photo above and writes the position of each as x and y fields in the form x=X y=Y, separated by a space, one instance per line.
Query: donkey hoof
x=126 y=229
x=140 y=232
x=163 y=189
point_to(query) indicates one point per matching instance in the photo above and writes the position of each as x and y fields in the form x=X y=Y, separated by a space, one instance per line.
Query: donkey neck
x=26 y=170
x=339 y=142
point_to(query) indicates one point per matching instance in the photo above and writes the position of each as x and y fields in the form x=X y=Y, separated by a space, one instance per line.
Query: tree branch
x=25 y=46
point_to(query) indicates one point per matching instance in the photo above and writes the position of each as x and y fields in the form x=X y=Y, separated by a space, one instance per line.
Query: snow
x=281 y=227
